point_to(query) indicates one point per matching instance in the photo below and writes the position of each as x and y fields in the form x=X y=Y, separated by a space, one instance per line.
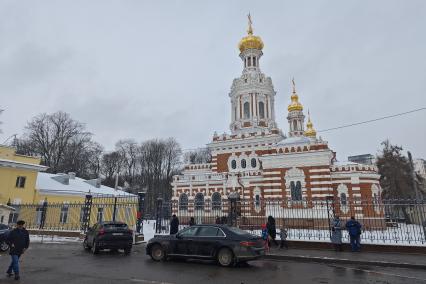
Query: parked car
x=109 y=235
x=4 y=231
x=227 y=245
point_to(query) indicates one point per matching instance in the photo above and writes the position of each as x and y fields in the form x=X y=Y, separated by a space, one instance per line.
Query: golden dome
x=250 y=41
x=295 y=105
x=310 y=131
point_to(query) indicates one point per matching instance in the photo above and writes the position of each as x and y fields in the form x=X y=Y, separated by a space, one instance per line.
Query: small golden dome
x=250 y=41
x=295 y=104
x=310 y=131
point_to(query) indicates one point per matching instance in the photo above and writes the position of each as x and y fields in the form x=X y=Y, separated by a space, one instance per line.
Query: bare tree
x=129 y=151
x=111 y=166
x=199 y=156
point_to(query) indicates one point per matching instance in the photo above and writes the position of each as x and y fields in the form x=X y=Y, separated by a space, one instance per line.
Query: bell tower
x=252 y=94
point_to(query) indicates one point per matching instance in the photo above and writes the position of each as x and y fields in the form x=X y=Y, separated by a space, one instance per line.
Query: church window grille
x=233 y=164
x=253 y=163
x=296 y=191
x=216 y=201
x=243 y=163
x=199 y=201
x=183 y=202
x=261 y=109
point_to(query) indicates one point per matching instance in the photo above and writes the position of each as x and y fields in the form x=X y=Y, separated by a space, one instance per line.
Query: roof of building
x=294 y=140
x=51 y=184
x=16 y=164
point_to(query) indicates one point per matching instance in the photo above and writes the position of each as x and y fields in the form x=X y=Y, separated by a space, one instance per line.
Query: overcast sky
x=155 y=69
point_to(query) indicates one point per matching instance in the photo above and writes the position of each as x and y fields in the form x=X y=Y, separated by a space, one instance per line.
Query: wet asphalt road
x=68 y=263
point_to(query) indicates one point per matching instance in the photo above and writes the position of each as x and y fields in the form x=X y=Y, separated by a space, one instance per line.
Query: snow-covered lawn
x=53 y=239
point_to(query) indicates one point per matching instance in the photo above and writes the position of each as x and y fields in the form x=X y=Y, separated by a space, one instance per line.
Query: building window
x=243 y=163
x=20 y=182
x=261 y=109
x=183 y=202
x=342 y=193
x=249 y=62
x=233 y=164
x=100 y=215
x=216 y=201
x=63 y=218
x=253 y=163
x=254 y=61
x=246 y=110
x=294 y=125
x=199 y=201
x=296 y=191
x=343 y=199
x=235 y=113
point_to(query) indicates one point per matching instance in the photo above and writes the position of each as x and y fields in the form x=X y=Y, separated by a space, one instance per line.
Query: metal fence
x=401 y=222
x=78 y=216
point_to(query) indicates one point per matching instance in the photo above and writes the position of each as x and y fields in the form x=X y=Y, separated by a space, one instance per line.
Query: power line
x=373 y=120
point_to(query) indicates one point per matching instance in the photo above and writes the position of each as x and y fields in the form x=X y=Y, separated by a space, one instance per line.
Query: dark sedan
x=227 y=245
x=109 y=235
x=4 y=231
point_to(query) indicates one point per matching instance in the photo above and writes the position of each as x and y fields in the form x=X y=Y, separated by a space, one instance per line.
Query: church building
x=259 y=163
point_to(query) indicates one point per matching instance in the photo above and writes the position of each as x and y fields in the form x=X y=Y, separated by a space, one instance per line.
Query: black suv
x=4 y=231
x=109 y=235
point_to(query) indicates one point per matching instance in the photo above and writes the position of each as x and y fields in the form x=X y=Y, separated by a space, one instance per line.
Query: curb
x=303 y=258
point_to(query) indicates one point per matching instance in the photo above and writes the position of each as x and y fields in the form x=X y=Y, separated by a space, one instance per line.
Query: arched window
x=199 y=201
x=253 y=163
x=233 y=164
x=246 y=110
x=183 y=202
x=249 y=61
x=216 y=201
x=254 y=61
x=261 y=109
x=294 y=125
x=243 y=163
x=296 y=191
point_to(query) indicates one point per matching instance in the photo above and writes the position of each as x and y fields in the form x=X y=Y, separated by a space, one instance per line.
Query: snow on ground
x=53 y=239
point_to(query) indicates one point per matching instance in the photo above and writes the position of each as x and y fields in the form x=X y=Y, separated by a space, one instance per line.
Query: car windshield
x=113 y=226
x=240 y=232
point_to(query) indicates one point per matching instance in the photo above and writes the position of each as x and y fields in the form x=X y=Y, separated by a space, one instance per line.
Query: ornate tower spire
x=295 y=114
x=310 y=131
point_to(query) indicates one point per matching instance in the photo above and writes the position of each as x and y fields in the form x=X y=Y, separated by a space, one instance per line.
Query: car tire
x=157 y=252
x=127 y=250
x=4 y=246
x=225 y=257
x=95 y=249
x=86 y=245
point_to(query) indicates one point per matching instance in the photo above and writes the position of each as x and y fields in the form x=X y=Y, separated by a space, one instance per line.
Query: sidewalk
x=416 y=261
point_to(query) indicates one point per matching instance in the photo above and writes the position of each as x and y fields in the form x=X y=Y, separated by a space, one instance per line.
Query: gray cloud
x=143 y=69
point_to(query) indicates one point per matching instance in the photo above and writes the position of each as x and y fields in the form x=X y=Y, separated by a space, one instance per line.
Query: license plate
x=117 y=234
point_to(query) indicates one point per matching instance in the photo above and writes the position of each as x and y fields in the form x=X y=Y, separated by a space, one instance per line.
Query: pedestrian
x=218 y=221
x=336 y=234
x=224 y=220
x=174 y=225
x=191 y=221
x=272 y=230
x=19 y=241
x=283 y=237
x=354 y=230
x=265 y=237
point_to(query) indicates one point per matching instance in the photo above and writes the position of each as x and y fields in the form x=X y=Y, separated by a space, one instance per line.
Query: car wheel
x=95 y=249
x=86 y=245
x=127 y=250
x=4 y=246
x=157 y=252
x=225 y=257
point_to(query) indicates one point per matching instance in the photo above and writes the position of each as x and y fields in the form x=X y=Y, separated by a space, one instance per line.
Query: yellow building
x=18 y=175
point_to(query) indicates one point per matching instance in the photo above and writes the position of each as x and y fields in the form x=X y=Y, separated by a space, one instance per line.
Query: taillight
x=101 y=232
x=248 y=244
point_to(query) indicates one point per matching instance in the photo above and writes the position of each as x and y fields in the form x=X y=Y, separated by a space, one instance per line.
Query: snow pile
x=53 y=239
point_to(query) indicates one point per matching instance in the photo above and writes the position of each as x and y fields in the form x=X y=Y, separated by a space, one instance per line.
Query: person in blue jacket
x=19 y=241
x=354 y=230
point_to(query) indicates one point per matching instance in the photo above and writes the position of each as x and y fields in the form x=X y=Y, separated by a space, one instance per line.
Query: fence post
x=329 y=199
x=43 y=214
x=159 y=216
x=141 y=205
x=114 y=212
x=86 y=213
x=233 y=210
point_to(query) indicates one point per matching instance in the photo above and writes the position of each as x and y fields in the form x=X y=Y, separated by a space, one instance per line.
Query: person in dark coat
x=354 y=230
x=174 y=225
x=19 y=241
x=272 y=230
x=336 y=234
x=218 y=220
x=192 y=221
